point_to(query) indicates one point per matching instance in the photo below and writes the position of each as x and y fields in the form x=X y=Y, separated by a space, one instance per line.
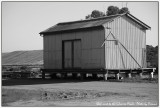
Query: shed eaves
x=81 y=24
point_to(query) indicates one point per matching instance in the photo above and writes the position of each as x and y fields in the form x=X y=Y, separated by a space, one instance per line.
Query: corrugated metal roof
x=88 y=23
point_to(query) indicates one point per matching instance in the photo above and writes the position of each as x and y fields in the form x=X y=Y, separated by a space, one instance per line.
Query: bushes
x=23 y=71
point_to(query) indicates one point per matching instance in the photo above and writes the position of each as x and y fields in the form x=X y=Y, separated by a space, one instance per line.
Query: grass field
x=38 y=92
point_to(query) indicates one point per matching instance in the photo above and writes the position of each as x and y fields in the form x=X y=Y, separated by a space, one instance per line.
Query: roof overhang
x=71 y=30
x=138 y=21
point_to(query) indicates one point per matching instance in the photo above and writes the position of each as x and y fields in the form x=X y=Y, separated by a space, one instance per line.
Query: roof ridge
x=86 y=20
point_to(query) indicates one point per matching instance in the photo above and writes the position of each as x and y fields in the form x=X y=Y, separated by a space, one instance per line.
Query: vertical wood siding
x=67 y=56
x=92 y=53
x=77 y=54
x=132 y=37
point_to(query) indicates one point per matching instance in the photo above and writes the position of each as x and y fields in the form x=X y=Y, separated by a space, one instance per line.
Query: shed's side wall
x=132 y=37
x=92 y=52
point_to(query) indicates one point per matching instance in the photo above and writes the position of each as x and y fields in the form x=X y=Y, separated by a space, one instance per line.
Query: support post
x=65 y=75
x=43 y=75
x=81 y=76
x=61 y=75
x=141 y=75
x=117 y=76
x=84 y=76
x=105 y=76
x=53 y=76
x=130 y=74
x=74 y=75
x=152 y=73
x=94 y=76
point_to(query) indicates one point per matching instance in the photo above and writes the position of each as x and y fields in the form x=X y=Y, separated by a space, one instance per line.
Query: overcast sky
x=22 y=21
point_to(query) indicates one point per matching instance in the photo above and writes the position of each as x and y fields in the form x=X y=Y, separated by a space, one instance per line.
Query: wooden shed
x=115 y=42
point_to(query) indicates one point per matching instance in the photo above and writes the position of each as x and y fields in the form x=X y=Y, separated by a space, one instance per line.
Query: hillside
x=34 y=57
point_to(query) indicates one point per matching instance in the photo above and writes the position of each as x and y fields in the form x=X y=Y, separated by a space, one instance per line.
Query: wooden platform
x=105 y=72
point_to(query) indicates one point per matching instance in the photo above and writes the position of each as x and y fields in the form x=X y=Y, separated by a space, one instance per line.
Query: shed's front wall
x=133 y=37
x=92 y=53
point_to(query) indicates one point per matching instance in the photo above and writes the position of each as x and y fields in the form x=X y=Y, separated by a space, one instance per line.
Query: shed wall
x=92 y=52
x=133 y=37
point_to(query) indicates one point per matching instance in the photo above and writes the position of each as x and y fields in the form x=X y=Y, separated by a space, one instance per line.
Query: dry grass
x=140 y=80
x=38 y=92
x=13 y=95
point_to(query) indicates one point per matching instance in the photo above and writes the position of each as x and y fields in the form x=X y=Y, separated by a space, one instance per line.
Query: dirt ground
x=38 y=92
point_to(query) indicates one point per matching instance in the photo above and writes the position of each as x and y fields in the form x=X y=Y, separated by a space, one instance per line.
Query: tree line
x=152 y=56
x=111 y=10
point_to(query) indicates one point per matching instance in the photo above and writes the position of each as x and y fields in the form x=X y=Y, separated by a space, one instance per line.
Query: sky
x=23 y=21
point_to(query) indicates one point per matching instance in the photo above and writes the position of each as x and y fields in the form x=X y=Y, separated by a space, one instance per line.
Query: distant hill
x=4 y=53
x=33 y=57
